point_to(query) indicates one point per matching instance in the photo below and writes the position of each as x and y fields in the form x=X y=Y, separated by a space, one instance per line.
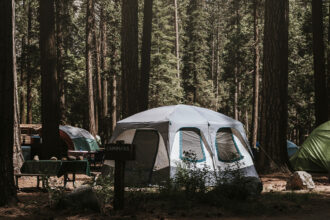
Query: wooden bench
x=43 y=178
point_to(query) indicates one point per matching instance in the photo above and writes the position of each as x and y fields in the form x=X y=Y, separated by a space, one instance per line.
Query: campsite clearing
x=278 y=202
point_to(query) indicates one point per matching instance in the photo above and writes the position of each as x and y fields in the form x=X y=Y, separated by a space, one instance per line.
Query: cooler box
x=26 y=150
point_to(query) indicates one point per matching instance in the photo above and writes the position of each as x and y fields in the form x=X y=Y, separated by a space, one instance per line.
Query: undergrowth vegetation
x=194 y=187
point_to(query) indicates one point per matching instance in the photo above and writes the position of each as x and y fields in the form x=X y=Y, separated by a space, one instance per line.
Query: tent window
x=191 y=141
x=226 y=146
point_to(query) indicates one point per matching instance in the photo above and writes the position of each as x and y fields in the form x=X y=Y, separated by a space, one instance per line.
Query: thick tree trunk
x=7 y=99
x=255 y=111
x=321 y=104
x=89 y=66
x=145 y=56
x=29 y=69
x=49 y=82
x=177 y=40
x=129 y=57
x=274 y=103
x=60 y=11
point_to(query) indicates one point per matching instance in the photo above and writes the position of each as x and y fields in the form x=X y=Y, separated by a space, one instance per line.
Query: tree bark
x=23 y=72
x=89 y=66
x=97 y=74
x=49 y=82
x=129 y=57
x=145 y=56
x=217 y=60
x=60 y=11
x=7 y=99
x=237 y=69
x=321 y=104
x=29 y=69
x=18 y=158
x=274 y=103
x=104 y=73
x=114 y=60
x=23 y=82
x=328 y=64
x=113 y=101
x=177 y=40
x=255 y=111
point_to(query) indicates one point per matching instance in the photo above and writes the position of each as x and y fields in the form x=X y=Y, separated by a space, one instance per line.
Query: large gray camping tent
x=163 y=134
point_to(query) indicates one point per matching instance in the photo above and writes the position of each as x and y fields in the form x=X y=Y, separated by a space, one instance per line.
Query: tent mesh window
x=239 y=136
x=226 y=146
x=191 y=142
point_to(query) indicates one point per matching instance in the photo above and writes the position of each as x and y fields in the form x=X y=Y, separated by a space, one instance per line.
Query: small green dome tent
x=314 y=154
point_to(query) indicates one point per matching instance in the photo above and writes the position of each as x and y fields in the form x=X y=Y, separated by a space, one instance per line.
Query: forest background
x=202 y=53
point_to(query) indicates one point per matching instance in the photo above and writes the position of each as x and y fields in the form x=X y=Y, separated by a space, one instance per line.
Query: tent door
x=140 y=170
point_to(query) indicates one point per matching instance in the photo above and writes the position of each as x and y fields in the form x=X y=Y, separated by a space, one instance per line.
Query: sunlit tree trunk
x=89 y=66
x=255 y=111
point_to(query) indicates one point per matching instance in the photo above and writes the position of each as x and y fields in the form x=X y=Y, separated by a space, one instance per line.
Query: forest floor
x=273 y=203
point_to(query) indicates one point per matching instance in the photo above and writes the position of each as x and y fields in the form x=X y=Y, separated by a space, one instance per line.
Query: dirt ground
x=34 y=204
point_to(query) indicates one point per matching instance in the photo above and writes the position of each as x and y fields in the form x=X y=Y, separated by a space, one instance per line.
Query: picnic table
x=47 y=168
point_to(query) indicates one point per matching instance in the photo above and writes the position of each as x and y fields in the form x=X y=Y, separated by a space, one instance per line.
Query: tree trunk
x=113 y=100
x=274 y=103
x=247 y=122
x=129 y=57
x=177 y=40
x=217 y=62
x=60 y=55
x=18 y=158
x=145 y=56
x=255 y=111
x=237 y=72
x=7 y=99
x=328 y=63
x=236 y=92
x=49 y=82
x=29 y=69
x=98 y=86
x=89 y=66
x=321 y=104
x=104 y=74
x=114 y=60
x=23 y=82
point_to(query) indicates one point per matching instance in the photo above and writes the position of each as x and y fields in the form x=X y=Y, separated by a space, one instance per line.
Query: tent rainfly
x=163 y=135
x=78 y=139
x=314 y=154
